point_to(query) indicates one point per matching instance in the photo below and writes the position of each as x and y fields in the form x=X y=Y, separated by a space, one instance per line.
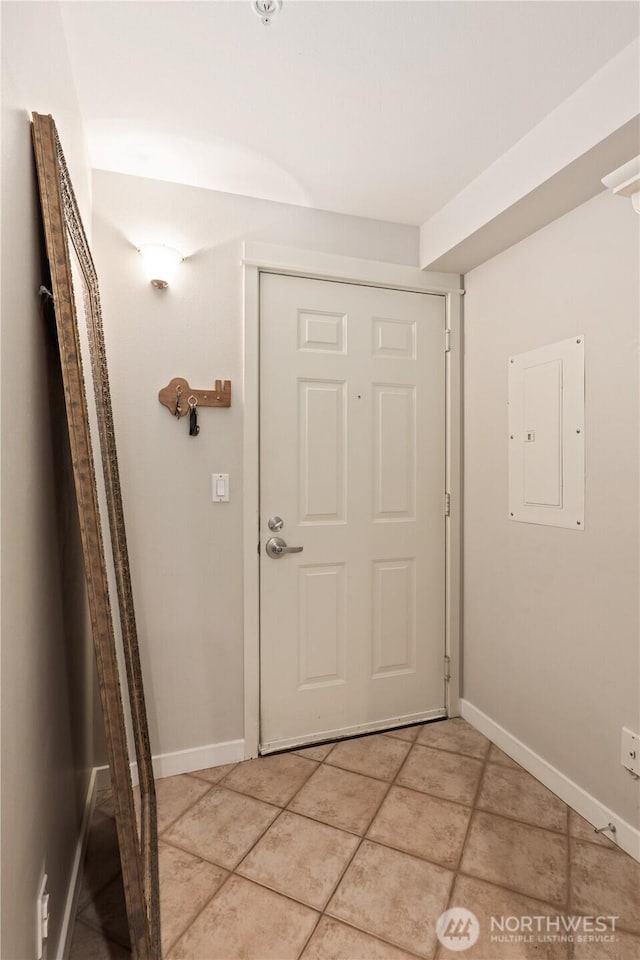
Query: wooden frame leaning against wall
x=97 y=483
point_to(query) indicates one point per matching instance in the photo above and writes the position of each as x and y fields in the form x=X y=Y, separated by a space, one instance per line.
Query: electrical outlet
x=42 y=918
x=630 y=751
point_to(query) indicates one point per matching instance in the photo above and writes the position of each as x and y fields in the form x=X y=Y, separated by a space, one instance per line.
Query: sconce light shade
x=160 y=263
x=625 y=182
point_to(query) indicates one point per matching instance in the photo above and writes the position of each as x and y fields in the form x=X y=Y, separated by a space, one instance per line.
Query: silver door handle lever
x=276 y=547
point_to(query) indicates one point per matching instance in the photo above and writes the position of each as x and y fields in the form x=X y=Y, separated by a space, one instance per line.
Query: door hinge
x=447 y=671
x=447 y=504
x=258 y=548
x=447 y=340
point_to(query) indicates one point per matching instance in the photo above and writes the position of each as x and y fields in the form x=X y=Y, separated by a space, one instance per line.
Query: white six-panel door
x=352 y=455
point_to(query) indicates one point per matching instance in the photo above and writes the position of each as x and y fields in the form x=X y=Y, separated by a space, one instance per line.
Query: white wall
x=46 y=659
x=551 y=635
x=186 y=552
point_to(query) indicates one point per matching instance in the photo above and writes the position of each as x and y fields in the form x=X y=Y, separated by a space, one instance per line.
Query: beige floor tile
x=624 y=947
x=272 y=779
x=581 y=829
x=174 y=795
x=247 y=921
x=301 y=858
x=375 y=756
x=222 y=826
x=526 y=859
x=102 y=858
x=496 y=755
x=333 y=940
x=214 y=774
x=515 y=793
x=487 y=901
x=605 y=882
x=107 y=913
x=446 y=775
x=319 y=753
x=393 y=896
x=88 y=944
x=186 y=884
x=405 y=733
x=455 y=735
x=423 y=825
x=340 y=798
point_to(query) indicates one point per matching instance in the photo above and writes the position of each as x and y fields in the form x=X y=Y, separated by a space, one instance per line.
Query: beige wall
x=46 y=660
x=551 y=615
x=185 y=551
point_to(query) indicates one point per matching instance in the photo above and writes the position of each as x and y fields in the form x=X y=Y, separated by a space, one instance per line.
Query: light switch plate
x=220 y=487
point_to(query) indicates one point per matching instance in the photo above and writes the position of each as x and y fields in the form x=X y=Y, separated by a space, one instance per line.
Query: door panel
x=352 y=442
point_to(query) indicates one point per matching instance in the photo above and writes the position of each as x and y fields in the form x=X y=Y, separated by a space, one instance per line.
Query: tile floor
x=351 y=852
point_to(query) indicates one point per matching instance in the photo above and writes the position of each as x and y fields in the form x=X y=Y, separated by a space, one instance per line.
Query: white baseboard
x=627 y=836
x=184 y=761
x=75 y=881
x=198 y=758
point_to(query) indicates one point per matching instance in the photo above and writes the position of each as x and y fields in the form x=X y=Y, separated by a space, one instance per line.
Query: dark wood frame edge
x=139 y=856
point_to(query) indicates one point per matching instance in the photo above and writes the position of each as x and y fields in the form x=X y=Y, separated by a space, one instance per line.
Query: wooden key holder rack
x=175 y=396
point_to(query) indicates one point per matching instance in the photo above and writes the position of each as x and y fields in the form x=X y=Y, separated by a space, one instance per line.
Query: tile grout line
x=392 y=783
x=97 y=928
x=374 y=936
x=361 y=837
x=190 y=806
x=284 y=809
x=230 y=872
x=103 y=935
x=458 y=803
x=456 y=871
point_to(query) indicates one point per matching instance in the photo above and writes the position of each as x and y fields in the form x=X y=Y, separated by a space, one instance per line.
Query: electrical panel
x=547 y=435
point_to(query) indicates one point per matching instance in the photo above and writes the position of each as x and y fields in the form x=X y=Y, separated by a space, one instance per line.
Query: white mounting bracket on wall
x=546 y=435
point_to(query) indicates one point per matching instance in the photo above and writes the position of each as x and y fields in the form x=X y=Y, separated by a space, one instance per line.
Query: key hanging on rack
x=194 y=429
x=178 y=409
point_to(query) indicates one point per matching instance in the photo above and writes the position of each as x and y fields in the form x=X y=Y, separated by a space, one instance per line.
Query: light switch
x=220 y=487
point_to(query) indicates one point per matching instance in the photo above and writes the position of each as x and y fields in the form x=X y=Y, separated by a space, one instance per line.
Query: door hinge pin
x=447 y=504
x=447 y=665
x=447 y=340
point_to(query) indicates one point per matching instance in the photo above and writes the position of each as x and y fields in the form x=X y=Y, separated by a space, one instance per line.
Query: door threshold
x=359 y=730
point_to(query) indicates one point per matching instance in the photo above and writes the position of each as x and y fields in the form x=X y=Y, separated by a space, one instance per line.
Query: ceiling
x=378 y=109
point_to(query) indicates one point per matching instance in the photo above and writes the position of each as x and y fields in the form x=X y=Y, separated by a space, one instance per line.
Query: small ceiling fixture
x=160 y=263
x=266 y=9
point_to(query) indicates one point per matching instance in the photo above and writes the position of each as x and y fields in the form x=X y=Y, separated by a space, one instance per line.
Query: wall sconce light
x=625 y=182
x=160 y=263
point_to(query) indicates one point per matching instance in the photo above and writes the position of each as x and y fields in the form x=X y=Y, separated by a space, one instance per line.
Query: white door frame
x=267 y=258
